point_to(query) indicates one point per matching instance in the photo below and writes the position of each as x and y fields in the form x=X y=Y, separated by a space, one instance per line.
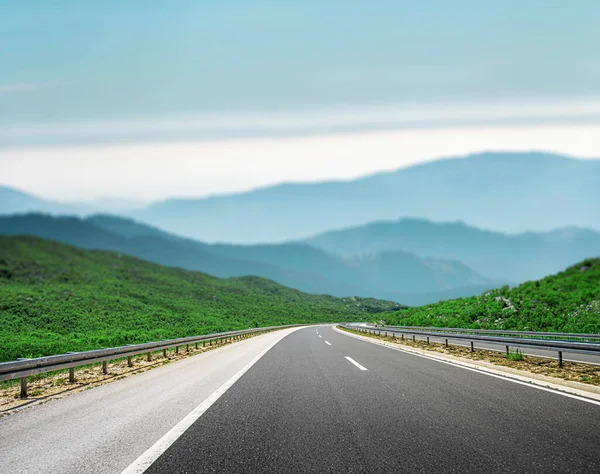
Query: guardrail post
x=196 y=346
x=106 y=355
x=560 y=361
x=176 y=349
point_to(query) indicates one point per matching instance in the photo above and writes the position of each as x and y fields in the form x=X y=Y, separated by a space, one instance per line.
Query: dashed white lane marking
x=142 y=463
x=328 y=343
x=356 y=363
x=320 y=335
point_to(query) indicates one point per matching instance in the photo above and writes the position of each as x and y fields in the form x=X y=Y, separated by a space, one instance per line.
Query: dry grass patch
x=52 y=385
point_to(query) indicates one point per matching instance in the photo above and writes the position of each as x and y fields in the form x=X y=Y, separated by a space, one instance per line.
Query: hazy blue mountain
x=157 y=247
x=13 y=201
x=511 y=192
x=130 y=228
x=398 y=275
x=515 y=257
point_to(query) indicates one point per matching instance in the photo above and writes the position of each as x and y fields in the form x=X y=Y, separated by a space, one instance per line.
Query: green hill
x=56 y=298
x=567 y=302
x=397 y=276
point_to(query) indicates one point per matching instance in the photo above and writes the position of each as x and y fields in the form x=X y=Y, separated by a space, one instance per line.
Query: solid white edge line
x=356 y=363
x=532 y=383
x=157 y=449
x=328 y=343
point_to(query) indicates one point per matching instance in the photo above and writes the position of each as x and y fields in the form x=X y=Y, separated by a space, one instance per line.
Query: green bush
x=55 y=298
x=566 y=302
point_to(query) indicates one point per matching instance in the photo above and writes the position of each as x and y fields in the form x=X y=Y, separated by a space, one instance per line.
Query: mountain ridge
x=514 y=257
x=510 y=192
x=297 y=265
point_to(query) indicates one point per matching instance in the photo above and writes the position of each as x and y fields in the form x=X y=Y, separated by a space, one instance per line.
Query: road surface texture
x=318 y=401
x=305 y=407
x=104 y=429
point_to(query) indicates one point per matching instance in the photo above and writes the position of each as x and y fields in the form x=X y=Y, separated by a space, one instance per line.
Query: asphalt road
x=320 y=401
x=104 y=429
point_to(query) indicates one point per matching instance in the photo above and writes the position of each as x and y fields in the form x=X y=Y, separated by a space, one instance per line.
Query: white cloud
x=196 y=127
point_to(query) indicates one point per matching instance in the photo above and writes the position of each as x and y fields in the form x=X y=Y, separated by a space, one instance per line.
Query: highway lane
x=320 y=401
x=104 y=429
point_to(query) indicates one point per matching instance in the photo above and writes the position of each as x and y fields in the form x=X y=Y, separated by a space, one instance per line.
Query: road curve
x=320 y=401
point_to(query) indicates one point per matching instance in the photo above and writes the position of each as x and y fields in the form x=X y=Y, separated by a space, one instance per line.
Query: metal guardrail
x=499 y=332
x=558 y=346
x=22 y=368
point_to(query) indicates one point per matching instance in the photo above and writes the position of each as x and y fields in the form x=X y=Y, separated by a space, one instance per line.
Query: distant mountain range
x=394 y=275
x=516 y=258
x=510 y=192
x=411 y=261
x=14 y=201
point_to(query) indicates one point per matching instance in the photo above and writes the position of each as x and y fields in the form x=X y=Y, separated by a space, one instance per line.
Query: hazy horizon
x=134 y=101
x=145 y=176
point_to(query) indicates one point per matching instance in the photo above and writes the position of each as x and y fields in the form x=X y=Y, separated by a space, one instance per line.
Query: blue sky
x=88 y=60
x=107 y=72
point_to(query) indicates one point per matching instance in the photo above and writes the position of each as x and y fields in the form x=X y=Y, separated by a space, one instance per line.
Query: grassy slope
x=568 y=302
x=397 y=276
x=56 y=298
